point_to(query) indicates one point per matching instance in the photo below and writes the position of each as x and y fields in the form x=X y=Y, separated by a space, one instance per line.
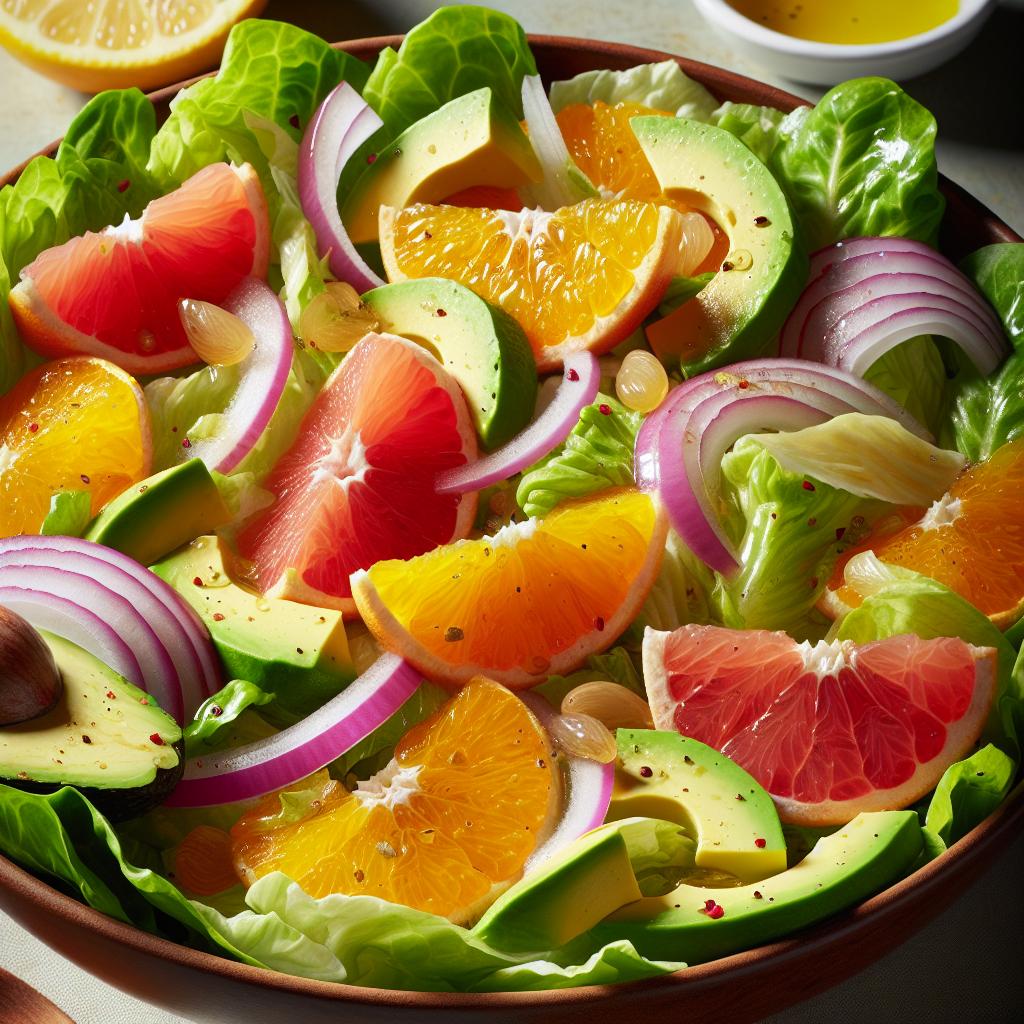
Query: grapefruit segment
x=535 y=599
x=357 y=485
x=114 y=293
x=444 y=828
x=830 y=730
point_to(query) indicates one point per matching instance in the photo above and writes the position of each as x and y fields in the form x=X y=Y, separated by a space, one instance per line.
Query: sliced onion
x=116 y=609
x=581 y=378
x=589 y=793
x=303 y=748
x=262 y=377
x=868 y=295
x=680 y=447
x=557 y=187
x=342 y=123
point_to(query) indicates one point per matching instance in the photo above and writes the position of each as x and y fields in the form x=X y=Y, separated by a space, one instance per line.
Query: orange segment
x=77 y=424
x=203 y=862
x=535 y=599
x=971 y=540
x=582 y=277
x=443 y=828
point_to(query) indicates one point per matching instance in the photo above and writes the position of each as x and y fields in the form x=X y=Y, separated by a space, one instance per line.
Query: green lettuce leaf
x=680 y=290
x=761 y=129
x=69 y=514
x=616 y=665
x=209 y=728
x=968 y=792
x=998 y=272
x=989 y=411
x=597 y=454
x=362 y=940
x=915 y=376
x=908 y=602
x=662 y=86
x=454 y=51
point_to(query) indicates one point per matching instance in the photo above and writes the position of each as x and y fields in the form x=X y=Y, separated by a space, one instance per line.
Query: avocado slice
x=164 y=511
x=298 y=652
x=665 y=775
x=104 y=736
x=860 y=859
x=473 y=139
x=739 y=311
x=481 y=346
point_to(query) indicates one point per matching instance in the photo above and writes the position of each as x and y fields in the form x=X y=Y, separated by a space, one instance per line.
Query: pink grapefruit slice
x=114 y=293
x=832 y=729
x=357 y=486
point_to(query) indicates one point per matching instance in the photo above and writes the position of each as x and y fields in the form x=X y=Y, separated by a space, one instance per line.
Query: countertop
x=965 y=966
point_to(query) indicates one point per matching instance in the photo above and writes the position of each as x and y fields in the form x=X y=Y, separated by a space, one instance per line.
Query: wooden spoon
x=20 y=1003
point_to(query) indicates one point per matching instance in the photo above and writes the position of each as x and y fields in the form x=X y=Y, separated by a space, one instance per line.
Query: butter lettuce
x=914 y=374
x=69 y=514
x=761 y=129
x=597 y=454
x=215 y=723
x=998 y=273
x=662 y=86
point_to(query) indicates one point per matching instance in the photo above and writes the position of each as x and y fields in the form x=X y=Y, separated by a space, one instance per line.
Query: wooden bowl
x=743 y=987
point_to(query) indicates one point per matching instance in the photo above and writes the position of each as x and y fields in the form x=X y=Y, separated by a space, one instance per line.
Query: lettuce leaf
x=662 y=86
x=208 y=730
x=998 y=273
x=680 y=290
x=914 y=374
x=597 y=454
x=968 y=792
x=680 y=595
x=454 y=51
x=616 y=665
x=69 y=514
x=761 y=129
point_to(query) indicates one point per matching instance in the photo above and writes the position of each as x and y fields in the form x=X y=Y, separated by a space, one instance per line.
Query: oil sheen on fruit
x=848 y=21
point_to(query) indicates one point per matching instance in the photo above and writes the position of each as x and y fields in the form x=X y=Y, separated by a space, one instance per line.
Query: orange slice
x=114 y=44
x=77 y=424
x=444 y=828
x=582 y=277
x=535 y=599
x=971 y=540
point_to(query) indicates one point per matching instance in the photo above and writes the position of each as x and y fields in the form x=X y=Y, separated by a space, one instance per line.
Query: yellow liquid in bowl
x=848 y=21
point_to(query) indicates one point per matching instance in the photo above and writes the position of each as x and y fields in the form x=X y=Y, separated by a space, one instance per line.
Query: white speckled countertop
x=965 y=967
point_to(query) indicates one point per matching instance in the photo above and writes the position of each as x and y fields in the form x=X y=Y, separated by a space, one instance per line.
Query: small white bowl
x=828 y=63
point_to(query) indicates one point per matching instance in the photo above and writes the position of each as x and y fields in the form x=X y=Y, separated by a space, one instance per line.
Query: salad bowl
x=741 y=987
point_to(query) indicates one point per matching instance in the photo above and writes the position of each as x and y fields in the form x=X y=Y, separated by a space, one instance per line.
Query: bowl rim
x=987 y=838
x=724 y=16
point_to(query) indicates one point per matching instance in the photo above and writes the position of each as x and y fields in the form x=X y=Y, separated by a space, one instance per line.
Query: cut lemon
x=582 y=277
x=533 y=600
x=444 y=828
x=114 y=44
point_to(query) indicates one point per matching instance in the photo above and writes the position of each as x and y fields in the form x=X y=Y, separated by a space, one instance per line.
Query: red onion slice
x=342 y=123
x=589 y=793
x=303 y=748
x=262 y=377
x=76 y=592
x=581 y=378
x=192 y=629
x=904 y=288
x=679 y=448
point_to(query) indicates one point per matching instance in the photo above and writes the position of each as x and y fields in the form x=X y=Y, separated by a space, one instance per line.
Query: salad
x=465 y=534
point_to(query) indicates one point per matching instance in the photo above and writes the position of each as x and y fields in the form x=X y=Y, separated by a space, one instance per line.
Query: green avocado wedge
x=104 y=736
x=481 y=346
x=739 y=311
x=665 y=775
x=298 y=652
x=860 y=859
x=158 y=515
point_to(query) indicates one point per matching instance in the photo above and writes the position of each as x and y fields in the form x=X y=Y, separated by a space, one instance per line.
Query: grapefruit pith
x=357 y=485
x=114 y=293
x=830 y=730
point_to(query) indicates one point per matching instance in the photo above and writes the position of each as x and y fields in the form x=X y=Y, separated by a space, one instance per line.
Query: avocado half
x=107 y=738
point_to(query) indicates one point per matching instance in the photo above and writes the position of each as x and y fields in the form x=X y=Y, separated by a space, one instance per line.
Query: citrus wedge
x=76 y=424
x=829 y=730
x=114 y=293
x=357 y=485
x=533 y=600
x=444 y=828
x=971 y=540
x=582 y=277
x=114 y=44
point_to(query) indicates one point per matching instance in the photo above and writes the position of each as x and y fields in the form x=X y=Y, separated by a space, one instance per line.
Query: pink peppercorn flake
x=760 y=843
x=186 y=443
x=757 y=895
x=599 y=624
x=839 y=532
x=442 y=312
x=572 y=375
x=604 y=409
x=157 y=739
x=123 y=186
x=744 y=384
x=216 y=711
x=218 y=616
x=197 y=581
x=33 y=427
x=645 y=772
x=808 y=486
x=111 y=695
x=713 y=910
x=294 y=120
x=372 y=158
x=812 y=521
x=83 y=478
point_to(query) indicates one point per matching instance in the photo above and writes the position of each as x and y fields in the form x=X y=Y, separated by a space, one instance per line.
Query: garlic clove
x=30 y=682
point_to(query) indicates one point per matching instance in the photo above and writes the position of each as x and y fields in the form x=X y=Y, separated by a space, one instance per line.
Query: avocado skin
x=118 y=804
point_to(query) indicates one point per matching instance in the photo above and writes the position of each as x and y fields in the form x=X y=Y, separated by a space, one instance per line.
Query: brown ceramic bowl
x=739 y=988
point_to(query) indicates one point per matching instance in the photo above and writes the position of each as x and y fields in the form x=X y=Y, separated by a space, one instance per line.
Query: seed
x=698 y=238
x=740 y=259
x=582 y=736
x=615 y=706
x=641 y=382
x=218 y=337
x=336 y=319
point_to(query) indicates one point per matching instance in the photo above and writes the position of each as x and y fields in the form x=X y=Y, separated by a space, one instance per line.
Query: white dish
x=805 y=60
